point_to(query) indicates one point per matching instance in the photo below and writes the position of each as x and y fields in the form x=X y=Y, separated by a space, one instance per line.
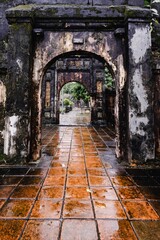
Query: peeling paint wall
x=141 y=134
x=2 y=114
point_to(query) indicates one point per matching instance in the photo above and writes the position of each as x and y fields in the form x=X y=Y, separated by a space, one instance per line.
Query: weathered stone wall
x=156 y=75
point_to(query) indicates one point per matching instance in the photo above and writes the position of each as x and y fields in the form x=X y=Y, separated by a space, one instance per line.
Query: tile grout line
x=93 y=208
x=65 y=187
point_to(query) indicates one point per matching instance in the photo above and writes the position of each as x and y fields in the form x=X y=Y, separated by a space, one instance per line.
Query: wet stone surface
x=79 y=186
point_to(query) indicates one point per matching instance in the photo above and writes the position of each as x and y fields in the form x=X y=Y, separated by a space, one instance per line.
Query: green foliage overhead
x=147 y=2
x=67 y=102
x=109 y=81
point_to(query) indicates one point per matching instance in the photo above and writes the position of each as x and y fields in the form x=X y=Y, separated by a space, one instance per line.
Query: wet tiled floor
x=78 y=190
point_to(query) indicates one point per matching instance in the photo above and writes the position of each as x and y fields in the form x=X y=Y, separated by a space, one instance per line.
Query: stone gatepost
x=140 y=92
x=17 y=119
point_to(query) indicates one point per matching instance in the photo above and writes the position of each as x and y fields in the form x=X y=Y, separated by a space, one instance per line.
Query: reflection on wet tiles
x=129 y=193
x=10 y=180
x=147 y=230
x=156 y=206
x=41 y=230
x=116 y=230
x=25 y=192
x=78 y=209
x=81 y=158
x=47 y=209
x=3 y=171
x=136 y=172
x=16 y=209
x=77 y=181
x=99 y=181
x=140 y=210
x=11 y=229
x=116 y=172
x=151 y=192
x=109 y=209
x=122 y=181
x=37 y=171
x=51 y=192
x=77 y=192
x=105 y=193
x=153 y=172
x=83 y=229
x=17 y=171
x=5 y=191
x=145 y=181
x=31 y=181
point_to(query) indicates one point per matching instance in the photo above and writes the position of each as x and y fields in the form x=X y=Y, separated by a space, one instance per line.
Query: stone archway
x=83 y=67
x=113 y=33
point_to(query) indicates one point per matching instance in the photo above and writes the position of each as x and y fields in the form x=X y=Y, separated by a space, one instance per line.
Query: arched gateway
x=120 y=35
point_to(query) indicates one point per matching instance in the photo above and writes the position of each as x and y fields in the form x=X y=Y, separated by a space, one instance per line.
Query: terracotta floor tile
x=11 y=229
x=97 y=172
x=56 y=164
x=5 y=191
x=37 y=171
x=109 y=209
x=25 y=192
x=116 y=230
x=57 y=171
x=77 y=209
x=51 y=192
x=60 y=159
x=10 y=180
x=77 y=159
x=54 y=181
x=77 y=192
x=147 y=230
x=99 y=181
x=140 y=210
x=41 y=230
x=83 y=229
x=105 y=193
x=76 y=171
x=16 y=209
x=77 y=181
x=130 y=193
x=94 y=164
x=122 y=181
x=76 y=165
x=46 y=209
x=31 y=180
x=93 y=159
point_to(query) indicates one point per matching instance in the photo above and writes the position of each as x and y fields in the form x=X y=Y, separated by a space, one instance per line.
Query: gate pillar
x=17 y=119
x=140 y=92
